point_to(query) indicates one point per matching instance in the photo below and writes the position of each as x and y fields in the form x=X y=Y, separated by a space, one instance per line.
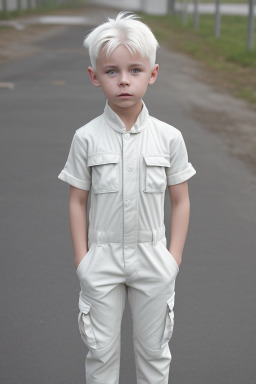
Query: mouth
x=124 y=95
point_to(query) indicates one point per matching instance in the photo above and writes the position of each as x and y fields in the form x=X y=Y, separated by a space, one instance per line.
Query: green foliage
x=227 y=55
x=231 y=45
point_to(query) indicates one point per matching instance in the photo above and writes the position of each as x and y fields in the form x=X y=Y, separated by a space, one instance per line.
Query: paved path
x=214 y=337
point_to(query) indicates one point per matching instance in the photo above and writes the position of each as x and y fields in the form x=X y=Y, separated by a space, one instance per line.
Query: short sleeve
x=180 y=169
x=76 y=172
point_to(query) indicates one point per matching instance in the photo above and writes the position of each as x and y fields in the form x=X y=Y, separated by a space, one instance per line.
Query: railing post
x=217 y=19
x=19 y=5
x=4 y=4
x=250 y=39
x=185 y=12
x=171 y=6
x=196 y=14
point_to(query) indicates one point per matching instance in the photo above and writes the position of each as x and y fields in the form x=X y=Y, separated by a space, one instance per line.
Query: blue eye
x=111 y=72
x=136 y=70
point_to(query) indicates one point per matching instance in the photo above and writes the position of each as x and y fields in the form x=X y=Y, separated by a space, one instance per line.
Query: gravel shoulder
x=15 y=44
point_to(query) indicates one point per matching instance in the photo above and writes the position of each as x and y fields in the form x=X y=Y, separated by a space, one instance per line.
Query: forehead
x=121 y=56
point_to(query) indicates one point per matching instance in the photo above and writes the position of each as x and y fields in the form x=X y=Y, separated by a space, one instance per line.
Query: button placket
x=130 y=167
x=127 y=135
x=130 y=199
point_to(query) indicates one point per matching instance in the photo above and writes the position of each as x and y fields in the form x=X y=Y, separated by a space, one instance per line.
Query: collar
x=114 y=121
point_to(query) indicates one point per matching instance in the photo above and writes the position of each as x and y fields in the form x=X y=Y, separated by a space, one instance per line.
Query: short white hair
x=136 y=36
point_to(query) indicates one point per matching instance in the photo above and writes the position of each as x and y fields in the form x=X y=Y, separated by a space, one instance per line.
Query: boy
x=126 y=158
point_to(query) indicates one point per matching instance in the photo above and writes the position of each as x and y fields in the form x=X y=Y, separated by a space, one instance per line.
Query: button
x=127 y=135
x=130 y=167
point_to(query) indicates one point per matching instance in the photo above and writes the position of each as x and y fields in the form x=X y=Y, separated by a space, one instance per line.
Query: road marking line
x=59 y=82
x=7 y=85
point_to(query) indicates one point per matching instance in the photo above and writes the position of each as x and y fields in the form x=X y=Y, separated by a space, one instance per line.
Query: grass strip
x=227 y=58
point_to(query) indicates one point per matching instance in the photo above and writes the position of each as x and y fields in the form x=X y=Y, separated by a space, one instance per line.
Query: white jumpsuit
x=127 y=172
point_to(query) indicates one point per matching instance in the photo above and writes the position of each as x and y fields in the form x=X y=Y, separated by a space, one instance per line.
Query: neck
x=128 y=115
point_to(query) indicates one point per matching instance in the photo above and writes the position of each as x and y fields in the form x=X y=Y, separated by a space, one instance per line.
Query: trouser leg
x=102 y=366
x=151 y=297
x=101 y=304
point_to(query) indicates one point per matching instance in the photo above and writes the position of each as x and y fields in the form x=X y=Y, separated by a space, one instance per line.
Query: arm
x=77 y=221
x=179 y=218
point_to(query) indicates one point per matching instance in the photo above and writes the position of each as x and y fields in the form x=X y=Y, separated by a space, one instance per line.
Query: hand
x=78 y=259
x=177 y=257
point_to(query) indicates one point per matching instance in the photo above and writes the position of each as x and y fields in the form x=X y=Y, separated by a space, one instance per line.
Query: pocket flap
x=170 y=301
x=158 y=160
x=84 y=305
x=102 y=158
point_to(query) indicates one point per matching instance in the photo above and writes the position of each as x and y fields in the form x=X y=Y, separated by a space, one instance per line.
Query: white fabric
x=127 y=173
x=148 y=273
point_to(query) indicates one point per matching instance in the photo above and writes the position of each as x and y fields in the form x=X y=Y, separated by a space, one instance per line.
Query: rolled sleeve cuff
x=181 y=176
x=85 y=185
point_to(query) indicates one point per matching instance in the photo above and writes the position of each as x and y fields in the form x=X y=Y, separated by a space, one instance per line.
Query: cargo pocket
x=105 y=171
x=84 y=323
x=169 y=323
x=155 y=175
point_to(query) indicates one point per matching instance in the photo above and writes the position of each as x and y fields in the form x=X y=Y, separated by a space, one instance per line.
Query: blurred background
x=207 y=89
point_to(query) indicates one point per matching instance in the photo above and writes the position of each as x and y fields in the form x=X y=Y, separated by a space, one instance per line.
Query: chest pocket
x=105 y=171
x=155 y=175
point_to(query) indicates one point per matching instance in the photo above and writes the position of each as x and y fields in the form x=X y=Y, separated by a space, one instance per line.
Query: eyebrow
x=109 y=66
x=137 y=65
x=115 y=66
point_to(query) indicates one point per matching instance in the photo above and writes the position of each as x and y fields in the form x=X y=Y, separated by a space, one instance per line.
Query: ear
x=153 y=74
x=93 y=76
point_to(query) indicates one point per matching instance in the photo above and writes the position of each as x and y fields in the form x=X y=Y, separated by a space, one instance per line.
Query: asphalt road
x=214 y=333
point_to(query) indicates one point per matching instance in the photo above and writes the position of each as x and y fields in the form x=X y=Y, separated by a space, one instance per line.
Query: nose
x=124 y=78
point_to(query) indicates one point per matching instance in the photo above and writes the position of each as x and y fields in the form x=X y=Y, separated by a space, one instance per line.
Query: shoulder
x=169 y=133
x=89 y=132
x=89 y=128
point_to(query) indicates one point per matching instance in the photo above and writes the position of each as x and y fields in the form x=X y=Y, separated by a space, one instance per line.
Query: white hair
x=126 y=30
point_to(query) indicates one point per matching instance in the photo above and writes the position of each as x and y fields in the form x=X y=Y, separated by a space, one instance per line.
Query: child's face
x=123 y=77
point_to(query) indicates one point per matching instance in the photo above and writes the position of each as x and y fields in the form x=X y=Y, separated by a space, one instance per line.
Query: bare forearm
x=179 y=227
x=77 y=221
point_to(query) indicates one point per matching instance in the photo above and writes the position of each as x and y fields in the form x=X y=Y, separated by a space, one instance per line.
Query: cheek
x=108 y=88
x=144 y=84
x=106 y=83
